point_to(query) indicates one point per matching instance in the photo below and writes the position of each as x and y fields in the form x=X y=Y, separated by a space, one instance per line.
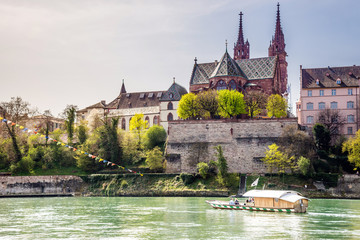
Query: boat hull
x=219 y=205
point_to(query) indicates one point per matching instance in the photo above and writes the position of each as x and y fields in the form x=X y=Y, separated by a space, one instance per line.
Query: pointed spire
x=123 y=90
x=241 y=49
x=277 y=45
x=279 y=36
x=240 y=35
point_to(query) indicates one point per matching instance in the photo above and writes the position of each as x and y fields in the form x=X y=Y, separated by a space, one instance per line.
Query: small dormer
x=338 y=81
x=317 y=82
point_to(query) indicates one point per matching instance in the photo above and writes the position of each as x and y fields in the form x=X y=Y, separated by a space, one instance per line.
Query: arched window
x=156 y=120
x=321 y=105
x=333 y=105
x=147 y=120
x=221 y=85
x=232 y=85
x=170 y=117
x=350 y=104
x=170 y=106
x=123 y=124
x=309 y=106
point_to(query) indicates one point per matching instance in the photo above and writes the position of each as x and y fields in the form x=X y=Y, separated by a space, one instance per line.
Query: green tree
x=82 y=133
x=222 y=166
x=276 y=106
x=155 y=159
x=70 y=113
x=352 y=146
x=322 y=137
x=275 y=159
x=131 y=153
x=208 y=103
x=92 y=145
x=304 y=165
x=109 y=144
x=138 y=125
x=231 y=103
x=188 y=107
x=255 y=103
x=155 y=136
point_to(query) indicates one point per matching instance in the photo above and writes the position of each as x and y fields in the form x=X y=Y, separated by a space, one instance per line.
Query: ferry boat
x=267 y=200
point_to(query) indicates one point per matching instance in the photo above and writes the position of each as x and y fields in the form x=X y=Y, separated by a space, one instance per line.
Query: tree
x=275 y=159
x=203 y=169
x=255 y=102
x=303 y=165
x=352 y=146
x=70 y=114
x=208 y=103
x=47 y=121
x=296 y=143
x=155 y=136
x=82 y=133
x=222 y=176
x=332 y=120
x=322 y=136
x=109 y=145
x=188 y=106
x=276 y=106
x=231 y=103
x=155 y=159
x=138 y=125
x=15 y=111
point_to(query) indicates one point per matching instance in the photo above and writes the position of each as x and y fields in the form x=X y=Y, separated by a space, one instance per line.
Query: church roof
x=227 y=67
x=258 y=68
x=329 y=77
x=202 y=72
x=174 y=93
x=136 y=100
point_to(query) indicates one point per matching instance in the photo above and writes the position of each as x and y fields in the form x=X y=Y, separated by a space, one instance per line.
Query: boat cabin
x=276 y=199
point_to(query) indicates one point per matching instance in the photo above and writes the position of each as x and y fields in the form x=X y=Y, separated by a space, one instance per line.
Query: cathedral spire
x=277 y=45
x=241 y=49
x=123 y=90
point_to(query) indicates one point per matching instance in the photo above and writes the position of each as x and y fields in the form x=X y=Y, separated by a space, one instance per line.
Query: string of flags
x=78 y=151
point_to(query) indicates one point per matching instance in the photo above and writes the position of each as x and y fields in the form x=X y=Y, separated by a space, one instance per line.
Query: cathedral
x=242 y=73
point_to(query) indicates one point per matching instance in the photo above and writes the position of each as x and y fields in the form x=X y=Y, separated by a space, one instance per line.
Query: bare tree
x=255 y=102
x=332 y=120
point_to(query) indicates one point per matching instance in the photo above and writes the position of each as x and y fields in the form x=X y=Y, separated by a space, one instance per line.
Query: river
x=170 y=218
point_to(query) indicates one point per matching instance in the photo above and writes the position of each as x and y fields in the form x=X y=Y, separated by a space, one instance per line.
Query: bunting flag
x=78 y=151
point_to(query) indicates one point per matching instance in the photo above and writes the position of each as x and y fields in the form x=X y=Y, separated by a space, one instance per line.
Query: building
x=266 y=74
x=158 y=107
x=334 y=88
x=40 y=121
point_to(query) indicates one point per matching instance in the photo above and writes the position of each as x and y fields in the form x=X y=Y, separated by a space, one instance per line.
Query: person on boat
x=231 y=202
x=236 y=201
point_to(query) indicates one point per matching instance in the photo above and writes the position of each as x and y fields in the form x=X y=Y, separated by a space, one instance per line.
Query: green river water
x=170 y=218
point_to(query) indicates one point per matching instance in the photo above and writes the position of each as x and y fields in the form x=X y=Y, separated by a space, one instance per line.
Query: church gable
x=202 y=72
x=227 y=67
x=174 y=93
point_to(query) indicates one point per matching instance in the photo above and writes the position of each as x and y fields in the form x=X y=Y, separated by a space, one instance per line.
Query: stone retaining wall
x=244 y=142
x=40 y=185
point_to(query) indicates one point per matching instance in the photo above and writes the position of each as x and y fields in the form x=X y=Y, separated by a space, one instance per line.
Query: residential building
x=335 y=88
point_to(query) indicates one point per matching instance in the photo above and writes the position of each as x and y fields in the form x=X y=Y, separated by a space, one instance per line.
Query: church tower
x=277 y=48
x=241 y=49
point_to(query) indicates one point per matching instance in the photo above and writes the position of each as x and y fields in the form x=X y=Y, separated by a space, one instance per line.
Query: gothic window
x=170 y=106
x=147 y=120
x=232 y=85
x=170 y=117
x=156 y=120
x=123 y=124
x=221 y=85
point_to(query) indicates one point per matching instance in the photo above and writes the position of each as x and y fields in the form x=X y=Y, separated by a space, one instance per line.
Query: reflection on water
x=169 y=218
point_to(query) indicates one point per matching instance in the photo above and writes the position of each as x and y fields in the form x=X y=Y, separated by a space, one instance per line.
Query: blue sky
x=55 y=53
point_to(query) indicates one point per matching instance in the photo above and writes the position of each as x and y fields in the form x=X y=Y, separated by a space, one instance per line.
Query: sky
x=54 y=53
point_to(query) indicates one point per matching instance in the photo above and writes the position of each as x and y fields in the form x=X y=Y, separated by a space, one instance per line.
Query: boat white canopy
x=289 y=196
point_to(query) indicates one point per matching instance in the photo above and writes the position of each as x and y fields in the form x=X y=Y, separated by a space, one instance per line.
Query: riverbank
x=185 y=185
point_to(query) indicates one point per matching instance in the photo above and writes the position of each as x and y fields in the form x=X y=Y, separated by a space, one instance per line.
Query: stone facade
x=40 y=185
x=244 y=143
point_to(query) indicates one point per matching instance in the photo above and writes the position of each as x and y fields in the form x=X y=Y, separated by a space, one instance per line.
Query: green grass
x=62 y=171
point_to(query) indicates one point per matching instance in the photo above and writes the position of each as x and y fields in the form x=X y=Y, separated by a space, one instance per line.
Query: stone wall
x=40 y=185
x=244 y=142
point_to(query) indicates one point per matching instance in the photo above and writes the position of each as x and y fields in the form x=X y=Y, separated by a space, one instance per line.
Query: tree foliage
x=352 y=146
x=208 y=103
x=155 y=159
x=82 y=133
x=255 y=102
x=221 y=163
x=109 y=145
x=276 y=106
x=155 y=136
x=231 y=103
x=303 y=165
x=137 y=126
x=188 y=107
x=322 y=137
x=203 y=169
x=277 y=160
x=70 y=113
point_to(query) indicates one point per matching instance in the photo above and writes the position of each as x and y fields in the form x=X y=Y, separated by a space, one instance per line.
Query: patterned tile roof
x=227 y=67
x=174 y=93
x=328 y=77
x=258 y=68
x=202 y=72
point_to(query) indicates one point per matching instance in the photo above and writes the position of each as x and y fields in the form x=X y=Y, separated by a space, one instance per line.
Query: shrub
x=155 y=159
x=25 y=165
x=124 y=184
x=303 y=165
x=203 y=169
x=187 y=178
